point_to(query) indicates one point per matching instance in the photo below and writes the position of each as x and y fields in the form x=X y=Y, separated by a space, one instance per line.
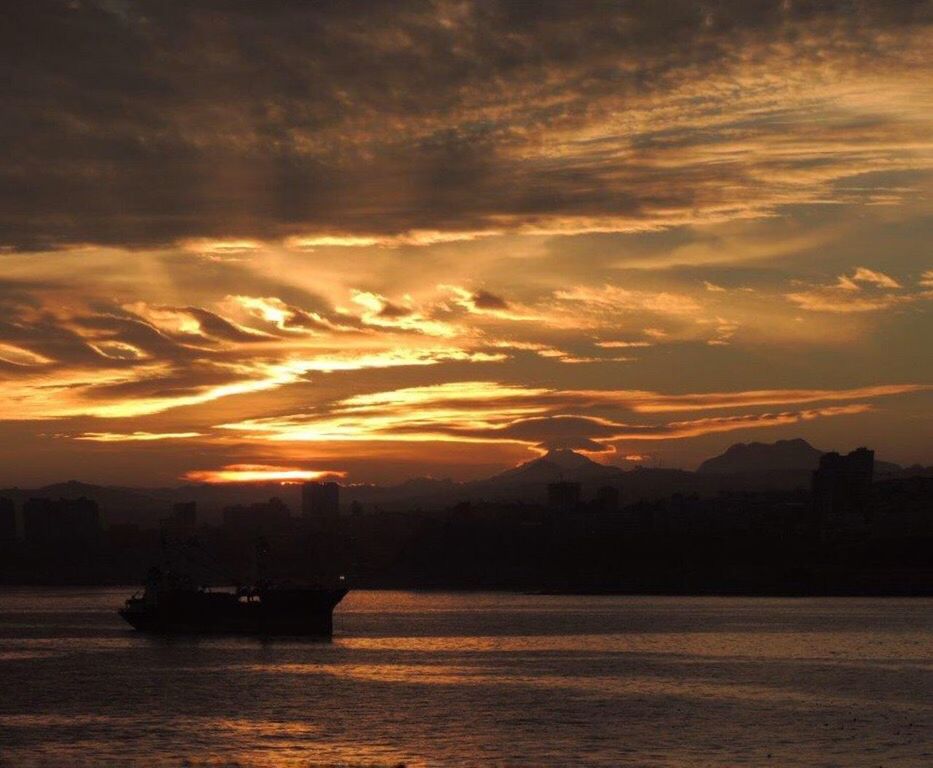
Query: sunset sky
x=390 y=239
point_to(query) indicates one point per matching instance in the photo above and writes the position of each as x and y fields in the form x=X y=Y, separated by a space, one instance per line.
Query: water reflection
x=476 y=679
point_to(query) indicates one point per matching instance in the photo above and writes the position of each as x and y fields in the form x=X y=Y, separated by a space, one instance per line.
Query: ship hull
x=306 y=613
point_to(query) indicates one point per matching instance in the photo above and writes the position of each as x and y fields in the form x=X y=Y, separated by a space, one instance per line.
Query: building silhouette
x=7 y=523
x=607 y=499
x=320 y=504
x=842 y=490
x=845 y=534
x=257 y=519
x=181 y=523
x=563 y=496
x=186 y=513
x=65 y=522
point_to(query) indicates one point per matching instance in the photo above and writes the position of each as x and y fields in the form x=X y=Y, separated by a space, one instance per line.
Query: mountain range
x=783 y=465
x=783 y=456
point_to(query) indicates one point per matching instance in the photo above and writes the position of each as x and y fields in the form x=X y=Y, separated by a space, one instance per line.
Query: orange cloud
x=865 y=290
x=379 y=311
x=490 y=412
x=124 y=437
x=612 y=298
x=624 y=344
x=653 y=402
x=415 y=237
x=865 y=275
x=14 y=355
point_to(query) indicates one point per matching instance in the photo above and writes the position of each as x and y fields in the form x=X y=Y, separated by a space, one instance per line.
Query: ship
x=174 y=604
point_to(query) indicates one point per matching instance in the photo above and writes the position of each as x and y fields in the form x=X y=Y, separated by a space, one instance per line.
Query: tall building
x=186 y=513
x=607 y=499
x=65 y=522
x=563 y=496
x=842 y=487
x=182 y=522
x=320 y=503
x=257 y=519
x=7 y=523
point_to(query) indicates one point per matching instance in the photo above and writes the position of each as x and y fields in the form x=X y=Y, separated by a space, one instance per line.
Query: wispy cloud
x=490 y=412
x=865 y=290
x=612 y=298
x=869 y=276
x=434 y=128
x=653 y=220
x=131 y=437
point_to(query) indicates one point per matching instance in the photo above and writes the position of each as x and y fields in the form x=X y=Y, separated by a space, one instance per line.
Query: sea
x=476 y=679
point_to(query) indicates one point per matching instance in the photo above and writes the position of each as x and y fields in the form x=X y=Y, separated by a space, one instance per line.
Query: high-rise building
x=182 y=522
x=607 y=498
x=260 y=518
x=64 y=522
x=563 y=496
x=186 y=513
x=7 y=523
x=842 y=487
x=320 y=503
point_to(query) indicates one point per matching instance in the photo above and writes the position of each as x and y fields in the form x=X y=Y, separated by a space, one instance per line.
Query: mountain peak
x=567 y=459
x=557 y=464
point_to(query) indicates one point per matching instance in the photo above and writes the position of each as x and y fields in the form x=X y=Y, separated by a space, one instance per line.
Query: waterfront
x=431 y=679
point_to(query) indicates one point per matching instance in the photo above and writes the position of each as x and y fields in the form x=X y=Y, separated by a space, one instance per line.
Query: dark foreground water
x=477 y=679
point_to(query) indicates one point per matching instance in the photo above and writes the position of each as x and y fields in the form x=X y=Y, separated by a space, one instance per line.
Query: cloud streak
x=455 y=230
x=444 y=122
x=489 y=412
x=865 y=290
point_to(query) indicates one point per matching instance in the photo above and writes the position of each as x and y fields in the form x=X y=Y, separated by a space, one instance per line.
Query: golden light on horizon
x=565 y=367
x=259 y=473
x=722 y=211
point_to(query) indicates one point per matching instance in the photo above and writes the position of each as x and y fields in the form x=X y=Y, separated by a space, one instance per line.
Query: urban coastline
x=561 y=523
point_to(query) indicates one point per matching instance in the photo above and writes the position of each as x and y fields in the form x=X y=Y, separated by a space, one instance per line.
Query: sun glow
x=701 y=227
x=259 y=473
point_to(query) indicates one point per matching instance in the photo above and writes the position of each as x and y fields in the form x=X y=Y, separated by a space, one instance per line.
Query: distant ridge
x=786 y=464
x=782 y=456
x=795 y=455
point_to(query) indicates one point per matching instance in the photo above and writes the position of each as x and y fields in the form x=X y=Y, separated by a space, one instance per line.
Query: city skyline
x=443 y=238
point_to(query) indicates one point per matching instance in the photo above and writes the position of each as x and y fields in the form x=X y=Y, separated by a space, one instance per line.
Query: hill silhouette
x=555 y=465
x=784 y=455
x=784 y=465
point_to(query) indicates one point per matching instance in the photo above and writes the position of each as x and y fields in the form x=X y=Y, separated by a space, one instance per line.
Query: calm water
x=477 y=679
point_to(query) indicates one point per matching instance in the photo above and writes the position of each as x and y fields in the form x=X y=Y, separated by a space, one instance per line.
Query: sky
x=251 y=240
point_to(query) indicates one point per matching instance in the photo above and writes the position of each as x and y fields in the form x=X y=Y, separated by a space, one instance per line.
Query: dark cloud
x=486 y=300
x=145 y=122
x=218 y=327
x=390 y=310
x=109 y=336
x=40 y=333
x=565 y=432
x=128 y=328
x=178 y=383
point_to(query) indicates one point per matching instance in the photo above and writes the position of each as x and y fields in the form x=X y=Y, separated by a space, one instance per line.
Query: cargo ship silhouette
x=174 y=603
